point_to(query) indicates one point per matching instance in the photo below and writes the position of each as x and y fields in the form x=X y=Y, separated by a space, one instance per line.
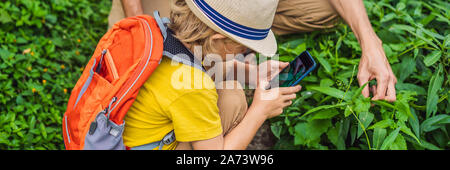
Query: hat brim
x=266 y=46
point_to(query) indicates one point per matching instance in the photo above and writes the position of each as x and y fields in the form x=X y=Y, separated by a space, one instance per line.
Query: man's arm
x=132 y=7
x=373 y=64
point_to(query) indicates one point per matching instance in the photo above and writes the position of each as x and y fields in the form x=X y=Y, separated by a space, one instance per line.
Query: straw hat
x=245 y=21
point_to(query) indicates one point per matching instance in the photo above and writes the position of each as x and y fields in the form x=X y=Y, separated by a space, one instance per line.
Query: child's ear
x=218 y=36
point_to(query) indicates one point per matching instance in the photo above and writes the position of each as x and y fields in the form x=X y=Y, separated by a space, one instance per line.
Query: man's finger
x=391 y=95
x=382 y=83
x=363 y=80
x=373 y=90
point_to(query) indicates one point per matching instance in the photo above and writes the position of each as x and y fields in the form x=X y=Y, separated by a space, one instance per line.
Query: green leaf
x=408 y=131
x=435 y=122
x=407 y=67
x=414 y=122
x=402 y=27
x=51 y=18
x=347 y=111
x=382 y=124
x=440 y=138
x=388 y=17
x=326 y=82
x=428 y=19
x=390 y=139
x=308 y=133
x=378 y=137
x=429 y=146
x=4 y=17
x=431 y=34
x=432 y=96
x=362 y=105
x=399 y=143
x=400 y=6
x=276 y=129
x=366 y=118
x=43 y=131
x=324 y=63
x=329 y=91
x=32 y=122
x=384 y=103
x=336 y=135
x=300 y=48
x=432 y=58
x=413 y=31
x=287 y=121
x=447 y=40
x=322 y=107
x=403 y=110
x=325 y=114
x=293 y=43
x=353 y=130
x=410 y=87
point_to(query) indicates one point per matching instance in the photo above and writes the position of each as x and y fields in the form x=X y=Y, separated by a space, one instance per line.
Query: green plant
x=43 y=47
x=331 y=113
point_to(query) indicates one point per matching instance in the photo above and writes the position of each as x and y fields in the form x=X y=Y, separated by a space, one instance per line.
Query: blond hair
x=191 y=30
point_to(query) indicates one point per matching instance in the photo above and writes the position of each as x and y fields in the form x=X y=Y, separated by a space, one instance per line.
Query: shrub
x=43 y=47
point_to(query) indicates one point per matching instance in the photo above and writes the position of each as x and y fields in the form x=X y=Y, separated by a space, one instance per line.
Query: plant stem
x=362 y=126
x=349 y=84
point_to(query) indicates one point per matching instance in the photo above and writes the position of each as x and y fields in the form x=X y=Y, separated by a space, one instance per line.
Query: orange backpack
x=124 y=59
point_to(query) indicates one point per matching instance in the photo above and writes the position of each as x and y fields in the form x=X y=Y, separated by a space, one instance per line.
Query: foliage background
x=45 y=44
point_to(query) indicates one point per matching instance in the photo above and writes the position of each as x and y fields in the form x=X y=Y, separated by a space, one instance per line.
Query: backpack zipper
x=149 y=35
x=67 y=130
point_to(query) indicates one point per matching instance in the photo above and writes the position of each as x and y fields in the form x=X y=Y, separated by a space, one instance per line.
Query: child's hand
x=269 y=69
x=271 y=102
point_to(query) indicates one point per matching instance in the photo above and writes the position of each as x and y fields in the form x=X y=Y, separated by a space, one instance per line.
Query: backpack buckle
x=169 y=138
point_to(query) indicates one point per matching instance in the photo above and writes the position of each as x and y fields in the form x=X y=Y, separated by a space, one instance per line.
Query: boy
x=201 y=116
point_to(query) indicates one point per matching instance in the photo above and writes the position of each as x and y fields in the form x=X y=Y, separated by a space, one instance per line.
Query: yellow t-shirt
x=175 y=97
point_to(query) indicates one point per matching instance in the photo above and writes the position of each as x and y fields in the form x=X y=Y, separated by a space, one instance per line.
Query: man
x=294 y=16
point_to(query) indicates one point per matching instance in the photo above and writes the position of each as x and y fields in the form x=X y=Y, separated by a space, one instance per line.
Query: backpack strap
x=176 y=51
x=173 y=48
x=168 y=139
x=162 y=23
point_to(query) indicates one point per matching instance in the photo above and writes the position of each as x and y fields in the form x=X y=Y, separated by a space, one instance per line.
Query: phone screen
x=295 y=71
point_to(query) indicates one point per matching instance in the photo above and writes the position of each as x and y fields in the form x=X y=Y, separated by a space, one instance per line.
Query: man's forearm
x=355 y=15
x=132 y=7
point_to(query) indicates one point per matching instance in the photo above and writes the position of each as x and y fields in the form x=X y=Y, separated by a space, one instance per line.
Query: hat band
x=230 y=26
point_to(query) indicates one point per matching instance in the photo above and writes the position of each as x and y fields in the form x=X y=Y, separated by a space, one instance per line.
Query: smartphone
x=297 y=69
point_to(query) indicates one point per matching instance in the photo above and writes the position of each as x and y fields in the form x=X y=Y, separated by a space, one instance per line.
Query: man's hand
x=374 y=65
x=132 y=7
